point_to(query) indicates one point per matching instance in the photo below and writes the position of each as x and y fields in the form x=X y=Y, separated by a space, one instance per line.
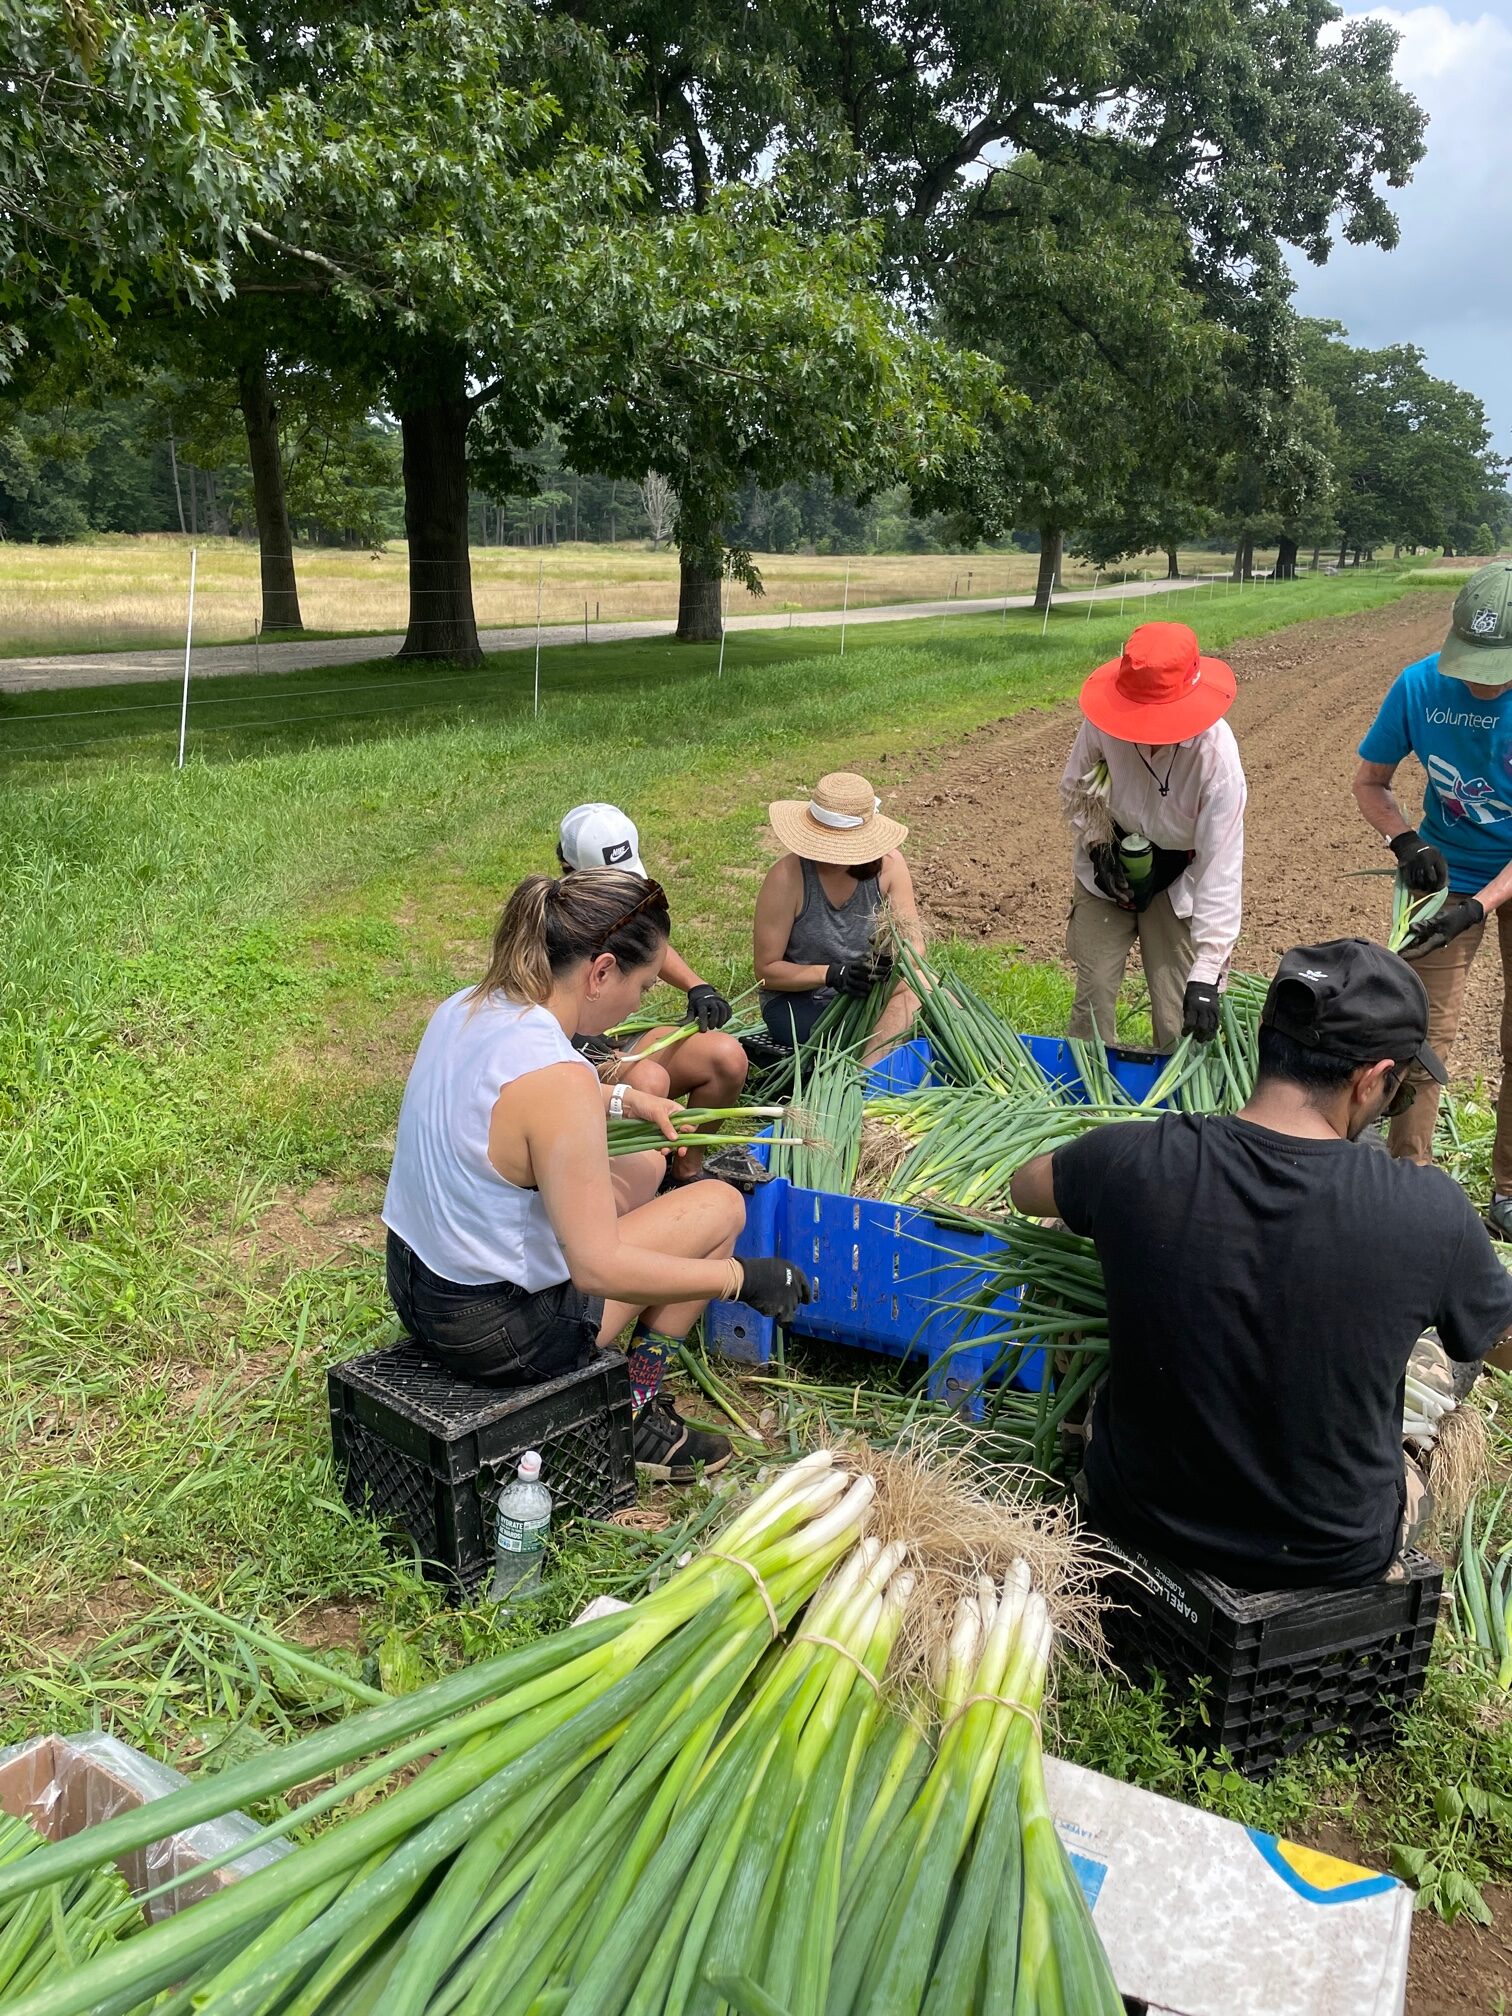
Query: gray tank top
x=822 y=935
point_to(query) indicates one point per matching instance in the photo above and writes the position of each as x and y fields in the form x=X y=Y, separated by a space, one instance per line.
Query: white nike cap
x=600 y=836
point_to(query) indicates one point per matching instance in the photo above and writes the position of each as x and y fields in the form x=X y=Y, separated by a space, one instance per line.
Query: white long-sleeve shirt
x=1190 y=795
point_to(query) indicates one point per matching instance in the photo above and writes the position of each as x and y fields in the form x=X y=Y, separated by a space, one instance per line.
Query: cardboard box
x=66 y=1783
x=1201 y=1917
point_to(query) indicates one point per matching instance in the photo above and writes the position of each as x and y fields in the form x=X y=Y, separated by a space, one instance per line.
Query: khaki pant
x=1444 y=973
x=1099 y=938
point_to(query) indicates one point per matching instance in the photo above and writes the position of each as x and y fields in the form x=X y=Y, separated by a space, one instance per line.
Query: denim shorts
x=498 y=1334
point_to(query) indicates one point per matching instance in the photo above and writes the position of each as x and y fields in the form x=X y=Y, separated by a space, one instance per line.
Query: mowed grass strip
x=213 y=984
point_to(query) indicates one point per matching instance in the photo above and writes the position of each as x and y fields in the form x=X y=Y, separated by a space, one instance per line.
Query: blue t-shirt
x=1465 y=745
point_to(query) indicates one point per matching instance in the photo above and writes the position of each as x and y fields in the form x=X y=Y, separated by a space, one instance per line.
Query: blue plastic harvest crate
x=885 y=1275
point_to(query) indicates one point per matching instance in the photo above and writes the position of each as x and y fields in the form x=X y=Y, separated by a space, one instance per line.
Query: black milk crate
x=1279 y=1667
x=419 y=1448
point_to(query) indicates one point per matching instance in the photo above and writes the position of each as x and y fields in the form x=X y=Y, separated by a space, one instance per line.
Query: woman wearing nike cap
x=1453 y=711
x=1159 y=844
x=707 y=1068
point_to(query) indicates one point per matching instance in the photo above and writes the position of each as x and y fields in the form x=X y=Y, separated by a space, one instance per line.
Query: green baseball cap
x=1479 y=646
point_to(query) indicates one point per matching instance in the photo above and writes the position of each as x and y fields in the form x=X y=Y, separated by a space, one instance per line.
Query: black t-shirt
x=1264 y=1295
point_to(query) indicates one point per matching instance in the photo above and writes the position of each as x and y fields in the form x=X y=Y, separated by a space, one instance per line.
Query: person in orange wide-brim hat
x=830 y=911
x=1155 y=793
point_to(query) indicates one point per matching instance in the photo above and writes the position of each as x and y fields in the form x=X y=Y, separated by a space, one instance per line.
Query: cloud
x=1448 y=284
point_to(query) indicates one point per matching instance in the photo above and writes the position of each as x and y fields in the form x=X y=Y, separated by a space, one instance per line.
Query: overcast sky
x=1448 y=284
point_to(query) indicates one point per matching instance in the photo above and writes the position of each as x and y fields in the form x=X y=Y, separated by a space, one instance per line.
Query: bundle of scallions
x=711 y=1801
x=1483 y=1594
x=46 y=1931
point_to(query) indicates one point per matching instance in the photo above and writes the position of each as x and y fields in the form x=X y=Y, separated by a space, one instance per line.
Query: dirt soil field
x=1462 y=1969
x=991 y=863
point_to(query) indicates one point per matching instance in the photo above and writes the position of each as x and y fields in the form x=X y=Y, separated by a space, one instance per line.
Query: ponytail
x=549 y=926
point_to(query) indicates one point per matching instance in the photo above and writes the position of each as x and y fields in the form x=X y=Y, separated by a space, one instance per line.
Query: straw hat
x=841 y=821
x=1161 y=690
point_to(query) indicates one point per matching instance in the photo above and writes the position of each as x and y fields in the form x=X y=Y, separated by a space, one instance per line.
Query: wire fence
x=194 y=719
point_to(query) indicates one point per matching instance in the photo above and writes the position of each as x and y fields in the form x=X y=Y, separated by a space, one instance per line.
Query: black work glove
x=857 y=977
x=1435 y=932
x=1423 y=868
x=1199 y=1010
x=707 y=1007
x=1108 y=874
x=775 y=1288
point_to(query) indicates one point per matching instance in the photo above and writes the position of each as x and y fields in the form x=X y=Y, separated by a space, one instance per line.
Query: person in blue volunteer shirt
x=1453 y=711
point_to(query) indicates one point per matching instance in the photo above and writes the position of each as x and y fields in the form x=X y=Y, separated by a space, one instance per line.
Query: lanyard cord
x=1165 y=788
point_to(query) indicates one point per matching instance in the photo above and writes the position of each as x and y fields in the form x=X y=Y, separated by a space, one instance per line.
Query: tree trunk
x=193 y=500
x=178 y=488
x=1173 y=564
x=698 y=614
x=1286 y=559
x=1244 y=558
x=1052 y=540
x=434 y=434
x=1317 y=557
x=1343 y=552
x=275 y=539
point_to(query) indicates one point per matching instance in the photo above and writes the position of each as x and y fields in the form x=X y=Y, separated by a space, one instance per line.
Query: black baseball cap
x=1352 y=999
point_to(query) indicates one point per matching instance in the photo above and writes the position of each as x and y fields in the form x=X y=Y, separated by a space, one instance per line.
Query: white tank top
x=445 y=1198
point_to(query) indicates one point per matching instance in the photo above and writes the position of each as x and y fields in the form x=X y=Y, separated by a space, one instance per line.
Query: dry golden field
x=119 y=593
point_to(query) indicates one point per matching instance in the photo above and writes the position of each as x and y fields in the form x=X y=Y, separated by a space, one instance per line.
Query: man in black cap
x=1266 y=1281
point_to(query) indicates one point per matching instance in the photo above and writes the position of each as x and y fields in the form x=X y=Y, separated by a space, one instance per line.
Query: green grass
x=214 y=981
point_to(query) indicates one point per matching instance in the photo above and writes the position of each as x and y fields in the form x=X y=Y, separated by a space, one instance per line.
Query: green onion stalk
x=397 y=1902
x=697 y=1127
x=46 y=1931
x=1483 y=1595
x=709 y=1803
x=1056 y=1308
x=823 y=1140
x=972 y=1044
x=959 y=1898
x=970 y=1141
x=1409 y=908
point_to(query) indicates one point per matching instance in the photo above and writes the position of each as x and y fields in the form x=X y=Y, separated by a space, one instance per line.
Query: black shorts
x=498 y=1334
x=790 y=1018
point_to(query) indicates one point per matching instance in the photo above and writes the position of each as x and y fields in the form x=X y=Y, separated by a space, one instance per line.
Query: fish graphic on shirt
x=1469 y=799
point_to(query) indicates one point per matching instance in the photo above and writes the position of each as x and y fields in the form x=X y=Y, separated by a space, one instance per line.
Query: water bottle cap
x=530 y=1465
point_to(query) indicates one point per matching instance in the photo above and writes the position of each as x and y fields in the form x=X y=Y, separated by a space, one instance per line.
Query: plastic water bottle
x=520 y=1536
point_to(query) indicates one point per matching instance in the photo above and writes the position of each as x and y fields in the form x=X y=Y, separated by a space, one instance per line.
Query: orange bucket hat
x=1161 y=690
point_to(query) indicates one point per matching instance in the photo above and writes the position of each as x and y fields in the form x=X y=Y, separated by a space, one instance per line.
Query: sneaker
x=1499 y=1217
x=739 y=1166
x=669 y=1451
x=735 y=1165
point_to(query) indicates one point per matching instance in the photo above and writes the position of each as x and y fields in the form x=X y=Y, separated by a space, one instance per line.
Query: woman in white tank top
x=515 y=1246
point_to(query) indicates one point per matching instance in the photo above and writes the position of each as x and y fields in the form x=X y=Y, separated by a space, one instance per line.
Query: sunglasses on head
x=654 y=898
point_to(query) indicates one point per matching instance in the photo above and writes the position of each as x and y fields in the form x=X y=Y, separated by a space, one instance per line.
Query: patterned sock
x=649 y=1351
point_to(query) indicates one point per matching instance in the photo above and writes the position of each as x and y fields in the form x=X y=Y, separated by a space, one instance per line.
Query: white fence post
x=540 y=584
x=845 y=608
x=188 y=648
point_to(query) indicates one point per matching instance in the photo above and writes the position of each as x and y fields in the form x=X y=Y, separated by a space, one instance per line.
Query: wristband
x=617 y=1102
x=736 y=1281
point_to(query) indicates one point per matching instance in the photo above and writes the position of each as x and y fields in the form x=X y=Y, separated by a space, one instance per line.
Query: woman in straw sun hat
x=1155 y=794
x=826 y=909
